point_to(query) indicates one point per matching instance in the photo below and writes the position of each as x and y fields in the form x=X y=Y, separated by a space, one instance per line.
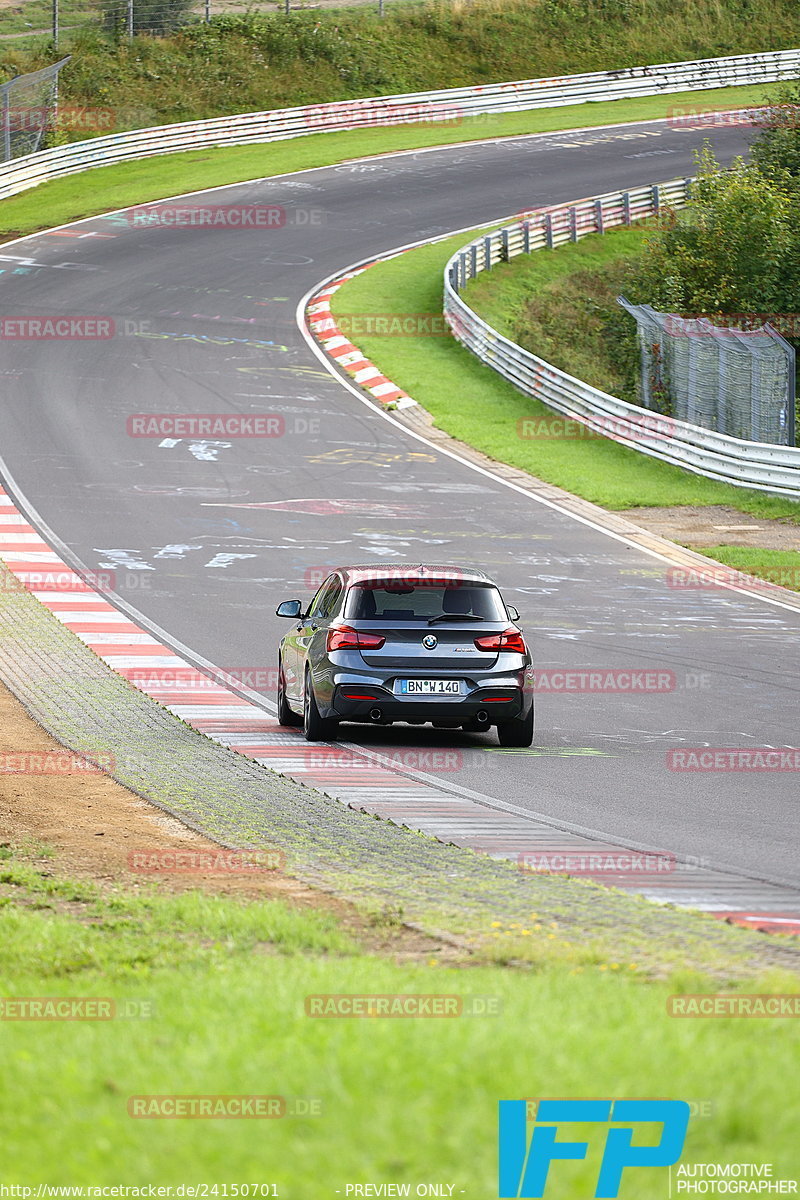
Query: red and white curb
x=337 y=346
x=388 y=787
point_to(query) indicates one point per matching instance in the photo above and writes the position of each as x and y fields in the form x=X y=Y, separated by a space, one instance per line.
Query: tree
x=735 y=250
x=776 y=150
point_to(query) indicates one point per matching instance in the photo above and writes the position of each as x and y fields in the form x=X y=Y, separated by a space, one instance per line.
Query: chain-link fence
x=28 y=104
x=123 y=19
x=740 y=382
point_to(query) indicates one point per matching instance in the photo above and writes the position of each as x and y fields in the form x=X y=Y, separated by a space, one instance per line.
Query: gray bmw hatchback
x=418 y=644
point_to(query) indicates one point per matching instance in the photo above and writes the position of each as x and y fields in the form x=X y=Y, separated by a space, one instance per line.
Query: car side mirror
x=512 y=612
x=289 y=608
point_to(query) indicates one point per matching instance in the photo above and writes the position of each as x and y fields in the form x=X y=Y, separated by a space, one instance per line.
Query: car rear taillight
x=343 y=637
x=509 y=639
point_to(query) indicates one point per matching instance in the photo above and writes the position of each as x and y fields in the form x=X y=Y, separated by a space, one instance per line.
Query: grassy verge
x=257 y=60
x=779 y=566
x=224 y=983
x=107 y=188
x=471 y=402
x=558 y=306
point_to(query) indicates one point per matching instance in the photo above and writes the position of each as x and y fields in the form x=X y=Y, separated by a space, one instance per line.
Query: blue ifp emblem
x=524 y=1164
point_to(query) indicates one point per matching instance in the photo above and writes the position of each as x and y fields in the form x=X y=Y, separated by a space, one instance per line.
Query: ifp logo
x=525 y=1164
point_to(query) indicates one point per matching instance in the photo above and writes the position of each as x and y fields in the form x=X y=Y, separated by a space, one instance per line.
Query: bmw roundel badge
x=430 y=641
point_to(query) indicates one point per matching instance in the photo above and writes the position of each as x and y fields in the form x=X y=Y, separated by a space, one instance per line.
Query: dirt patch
x=91 y=824
x=716 y=525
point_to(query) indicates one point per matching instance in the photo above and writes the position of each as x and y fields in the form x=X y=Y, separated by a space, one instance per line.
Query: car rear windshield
x=404 y=602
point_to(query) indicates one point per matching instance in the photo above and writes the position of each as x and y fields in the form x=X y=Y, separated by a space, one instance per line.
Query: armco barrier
x=443 y=106
x=768 y=468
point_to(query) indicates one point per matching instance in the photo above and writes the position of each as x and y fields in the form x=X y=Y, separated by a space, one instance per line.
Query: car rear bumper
x=359 y=702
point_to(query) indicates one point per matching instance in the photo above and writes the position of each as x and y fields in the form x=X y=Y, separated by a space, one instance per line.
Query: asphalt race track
x=207 y=535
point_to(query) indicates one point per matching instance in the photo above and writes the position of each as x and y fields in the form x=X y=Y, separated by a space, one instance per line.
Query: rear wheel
x=285 y=714
x=315 y=727
x=518 y=732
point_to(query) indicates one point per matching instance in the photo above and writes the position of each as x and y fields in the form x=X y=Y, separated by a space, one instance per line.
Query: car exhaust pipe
x=481 y=717
x=376 y=715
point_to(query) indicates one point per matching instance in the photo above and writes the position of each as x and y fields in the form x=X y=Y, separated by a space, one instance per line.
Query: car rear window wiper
x=454 y=617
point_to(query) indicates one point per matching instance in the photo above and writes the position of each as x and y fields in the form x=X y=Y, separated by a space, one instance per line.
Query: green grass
x=38 y=14
x=238 y=63
x=473 y=403
x=780 y=566
x=106 y=188
x=400 y=1099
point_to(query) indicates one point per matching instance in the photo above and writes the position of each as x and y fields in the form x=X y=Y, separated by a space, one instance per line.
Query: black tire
x=285 y=715
x=518 y=732
x=315 y=727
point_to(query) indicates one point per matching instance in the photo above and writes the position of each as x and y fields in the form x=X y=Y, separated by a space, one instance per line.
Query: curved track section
x=205 y=532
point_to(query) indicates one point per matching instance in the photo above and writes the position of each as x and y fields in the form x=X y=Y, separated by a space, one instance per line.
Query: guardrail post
x=526 y=237
x=656 y=199
x=473 y=261
x=573 y=224
x=626 y=208
x=687 y=189
x=548 y=230
x=487 y=250
x=504 y=243
x=598 y=216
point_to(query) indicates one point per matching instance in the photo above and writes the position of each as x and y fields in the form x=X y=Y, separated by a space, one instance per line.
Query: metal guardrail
x=448 y=106
x=759 y=465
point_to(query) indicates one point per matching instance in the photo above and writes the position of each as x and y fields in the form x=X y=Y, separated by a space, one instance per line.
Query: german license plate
x=430 y=687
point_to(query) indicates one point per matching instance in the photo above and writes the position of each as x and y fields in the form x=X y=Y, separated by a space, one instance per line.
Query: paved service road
x=207 y=535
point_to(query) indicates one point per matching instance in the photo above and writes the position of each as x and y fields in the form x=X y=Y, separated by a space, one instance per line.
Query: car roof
x=410 y=571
